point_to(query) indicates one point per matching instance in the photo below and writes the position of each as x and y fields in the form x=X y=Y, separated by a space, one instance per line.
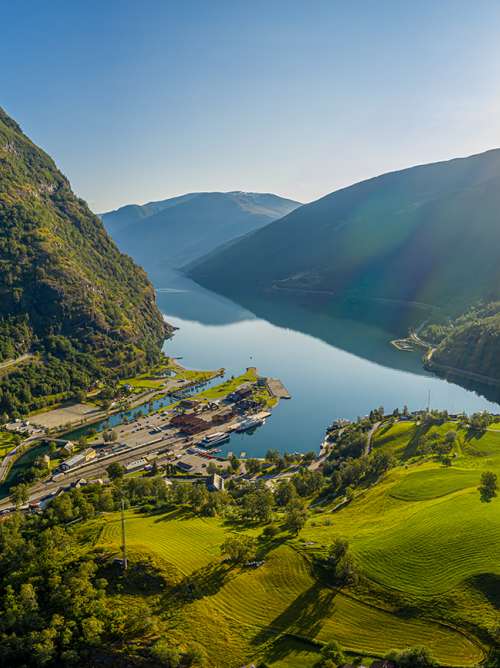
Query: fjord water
x=332 y=368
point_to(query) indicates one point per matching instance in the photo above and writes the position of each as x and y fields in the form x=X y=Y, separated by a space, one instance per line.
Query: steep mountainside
x=424 y=241
x=66 y=291
x=175 y=231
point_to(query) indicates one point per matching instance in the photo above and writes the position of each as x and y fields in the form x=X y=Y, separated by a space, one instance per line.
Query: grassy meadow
x=425 y=545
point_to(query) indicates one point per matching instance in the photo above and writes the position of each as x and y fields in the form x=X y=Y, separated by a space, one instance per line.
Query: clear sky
x=141 y=100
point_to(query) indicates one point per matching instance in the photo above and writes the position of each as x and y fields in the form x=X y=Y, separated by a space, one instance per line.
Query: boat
x=249 y=423
x=214 y=439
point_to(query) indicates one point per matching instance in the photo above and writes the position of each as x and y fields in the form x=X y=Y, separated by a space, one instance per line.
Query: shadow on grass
x=177 y=513
x=411 y=449
x=305 y=615
x=266 y=545
x=281 y=648
x=204 y=582
x=489 y=585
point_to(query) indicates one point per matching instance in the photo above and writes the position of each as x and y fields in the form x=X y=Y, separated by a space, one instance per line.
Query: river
x=332 y=367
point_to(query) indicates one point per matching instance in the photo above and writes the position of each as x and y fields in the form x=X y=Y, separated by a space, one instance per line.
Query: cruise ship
x=249 y=423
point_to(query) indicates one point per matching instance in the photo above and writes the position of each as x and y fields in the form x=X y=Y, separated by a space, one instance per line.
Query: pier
x=277 y=389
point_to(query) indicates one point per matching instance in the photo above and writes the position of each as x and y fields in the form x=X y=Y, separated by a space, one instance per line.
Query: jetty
x=277 y=389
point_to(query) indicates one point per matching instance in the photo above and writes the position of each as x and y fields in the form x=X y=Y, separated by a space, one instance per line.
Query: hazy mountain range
x=175 y=231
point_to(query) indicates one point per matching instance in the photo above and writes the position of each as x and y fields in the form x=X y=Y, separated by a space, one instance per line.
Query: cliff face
x=64 y=285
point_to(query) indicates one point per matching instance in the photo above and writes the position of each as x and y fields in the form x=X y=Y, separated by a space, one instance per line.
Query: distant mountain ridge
x=420 y=243
x=178 y=230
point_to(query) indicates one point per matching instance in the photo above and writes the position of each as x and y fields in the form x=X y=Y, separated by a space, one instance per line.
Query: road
x=11 y=456
x=368 y=446
x=22 y=358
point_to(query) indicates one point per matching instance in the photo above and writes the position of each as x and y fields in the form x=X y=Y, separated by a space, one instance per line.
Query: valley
x=243 y=457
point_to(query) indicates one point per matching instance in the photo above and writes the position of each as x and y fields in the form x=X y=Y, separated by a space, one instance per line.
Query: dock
x=277 y=389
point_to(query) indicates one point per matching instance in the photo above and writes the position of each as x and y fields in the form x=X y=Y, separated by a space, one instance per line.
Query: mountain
x=66 y=292
x=421 y=243
x=175 y=231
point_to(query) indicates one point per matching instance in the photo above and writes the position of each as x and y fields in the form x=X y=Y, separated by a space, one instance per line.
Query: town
x=183 y=437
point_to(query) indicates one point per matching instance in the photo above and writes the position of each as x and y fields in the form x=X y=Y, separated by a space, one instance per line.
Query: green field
x=7 y=442
x=230 y=385
x=425 y=545
x=154 y=380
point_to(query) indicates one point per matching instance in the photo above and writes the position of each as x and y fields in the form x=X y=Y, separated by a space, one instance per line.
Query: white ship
x=249 y=423
x=214 y=439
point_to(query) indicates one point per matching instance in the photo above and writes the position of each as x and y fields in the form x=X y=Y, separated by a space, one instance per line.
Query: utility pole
x=429 y=402
x=124 y=545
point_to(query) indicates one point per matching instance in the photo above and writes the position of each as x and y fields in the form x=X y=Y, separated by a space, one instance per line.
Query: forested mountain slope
x=66 y=291
x=424 y=240
x=178 y=230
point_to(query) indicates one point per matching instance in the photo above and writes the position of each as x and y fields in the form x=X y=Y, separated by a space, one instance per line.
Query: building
x=244 y=392
x=69 y=447
x=215 y=483
x=184 y=466
x=189 y=423
x=189 y=404
x=79 y=459
x=136 y=464
x=221 y=418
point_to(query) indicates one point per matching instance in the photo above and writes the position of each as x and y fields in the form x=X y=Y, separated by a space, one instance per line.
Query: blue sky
x=143 y=100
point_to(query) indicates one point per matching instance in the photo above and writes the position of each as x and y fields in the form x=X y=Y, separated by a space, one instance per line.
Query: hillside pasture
x=245 y=610
x=430 y=484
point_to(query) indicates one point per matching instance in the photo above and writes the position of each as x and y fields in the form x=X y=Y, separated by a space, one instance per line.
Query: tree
x=258 y=505
x=488 y=487
x=415 y=657
x=198 y=497
x=19 y=494
x=235 y=464
x=166 y=654
x=212 y=468
x=331 y=654
x=339 y=562
x=450 y=437
x=238 y=549
x=307 y=482
x=272 y=456
x=285 y=491
x=110 y=435
x=252 y=466
x=295 y=518
x=115 y=471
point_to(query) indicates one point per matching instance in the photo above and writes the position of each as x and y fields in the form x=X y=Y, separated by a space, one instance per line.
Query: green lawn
x=431 y=484
x=244 y=613
x=425 y=546
x=228 y=386
x=394 y=439
x=152 y=379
